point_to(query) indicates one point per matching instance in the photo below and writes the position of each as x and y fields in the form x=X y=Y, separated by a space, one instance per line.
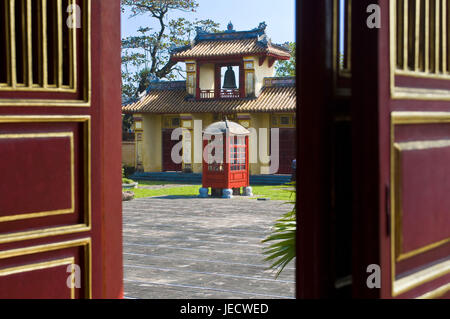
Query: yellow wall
x=261 y=72
x=257 y=121
x=152 y=143
x=128 y=154
x=207 y=119
x=207 y=76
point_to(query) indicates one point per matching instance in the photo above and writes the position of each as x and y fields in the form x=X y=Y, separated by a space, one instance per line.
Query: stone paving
x=191 y=248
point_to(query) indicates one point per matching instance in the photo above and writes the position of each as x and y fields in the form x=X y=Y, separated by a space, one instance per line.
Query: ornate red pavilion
x=225 y=160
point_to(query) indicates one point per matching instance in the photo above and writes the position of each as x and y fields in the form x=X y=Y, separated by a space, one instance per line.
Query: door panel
x=288 y=150
x=60 y=150
x=46 y=182
x=42 y=271
x=420 y=175
x=409 y=145
x=167 y=146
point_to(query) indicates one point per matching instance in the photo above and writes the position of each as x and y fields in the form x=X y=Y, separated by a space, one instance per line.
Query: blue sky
x=279 y=16
x=342 y=4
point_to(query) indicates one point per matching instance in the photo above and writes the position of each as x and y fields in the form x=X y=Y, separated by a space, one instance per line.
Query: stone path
x=187 y=248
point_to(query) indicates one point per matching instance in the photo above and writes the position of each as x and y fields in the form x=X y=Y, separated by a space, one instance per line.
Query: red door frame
x=109 y=105
x=313 y=277
x=366 y=161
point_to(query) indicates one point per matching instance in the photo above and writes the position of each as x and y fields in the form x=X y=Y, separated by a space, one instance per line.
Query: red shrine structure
x=225 y=160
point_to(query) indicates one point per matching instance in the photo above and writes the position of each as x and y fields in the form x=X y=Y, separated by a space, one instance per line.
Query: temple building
x=228 y=75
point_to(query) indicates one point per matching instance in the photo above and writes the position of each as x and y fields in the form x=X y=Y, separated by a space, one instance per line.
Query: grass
x=279 y=192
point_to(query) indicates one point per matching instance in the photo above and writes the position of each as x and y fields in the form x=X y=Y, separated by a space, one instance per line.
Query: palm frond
x=282 y=251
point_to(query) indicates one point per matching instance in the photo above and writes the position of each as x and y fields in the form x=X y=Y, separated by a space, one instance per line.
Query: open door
x=401 y=141
x=60 y=149
x=374 y=149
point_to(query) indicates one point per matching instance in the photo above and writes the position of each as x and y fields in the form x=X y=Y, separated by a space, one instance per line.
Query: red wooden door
x=287 y=150
x=401 y=113
x=167 y=145
x=383 y=199
x=60 y=150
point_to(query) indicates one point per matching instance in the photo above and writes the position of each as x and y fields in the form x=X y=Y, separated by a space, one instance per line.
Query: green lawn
x=280 y=192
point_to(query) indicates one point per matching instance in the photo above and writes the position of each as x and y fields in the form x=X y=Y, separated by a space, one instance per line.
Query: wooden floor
x=190 y=248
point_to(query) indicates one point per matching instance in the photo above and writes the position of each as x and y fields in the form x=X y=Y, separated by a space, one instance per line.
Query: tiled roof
x=231 y=48
x=277 y=98
x=231 y=43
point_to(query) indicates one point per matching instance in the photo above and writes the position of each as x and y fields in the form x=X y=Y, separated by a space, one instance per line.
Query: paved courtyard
x=201 y=248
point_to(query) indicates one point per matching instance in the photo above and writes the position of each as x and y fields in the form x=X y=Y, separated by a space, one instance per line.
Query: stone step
x=191 y=178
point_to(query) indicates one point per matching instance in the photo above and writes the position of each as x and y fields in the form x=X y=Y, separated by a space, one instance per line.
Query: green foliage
x=127 y=181
x=287 y=68
x=127 y=171
x=341 y=61
x=147 y=54
x=282 y=251
x=127 y=122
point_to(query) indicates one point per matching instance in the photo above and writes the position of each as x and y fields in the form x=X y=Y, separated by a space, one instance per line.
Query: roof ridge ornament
x=199 y=30
x=262 y=26
x=230 y=28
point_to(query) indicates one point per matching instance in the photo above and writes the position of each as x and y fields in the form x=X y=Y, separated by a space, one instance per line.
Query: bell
x=230 y=79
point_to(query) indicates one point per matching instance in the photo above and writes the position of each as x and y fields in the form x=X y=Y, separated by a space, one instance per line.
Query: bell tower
x=229 y=65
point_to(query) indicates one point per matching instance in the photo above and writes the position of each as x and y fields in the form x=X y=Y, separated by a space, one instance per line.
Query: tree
x=127 y=122
x=147 y=55
x=287 y=68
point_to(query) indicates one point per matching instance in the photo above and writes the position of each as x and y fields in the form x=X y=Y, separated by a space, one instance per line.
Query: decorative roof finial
x=200 y=30
x=262 y=26
x=230 y=27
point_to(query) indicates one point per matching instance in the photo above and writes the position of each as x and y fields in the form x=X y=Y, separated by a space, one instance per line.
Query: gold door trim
x=69 y=210
x=86 y=90
x=85 y=243
x=400 y=286
x=63 y=230
x=436 y=293
x=39 y=266
x=421 y=277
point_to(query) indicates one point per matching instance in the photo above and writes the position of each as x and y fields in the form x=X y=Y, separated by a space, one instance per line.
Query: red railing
x=223 y=94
